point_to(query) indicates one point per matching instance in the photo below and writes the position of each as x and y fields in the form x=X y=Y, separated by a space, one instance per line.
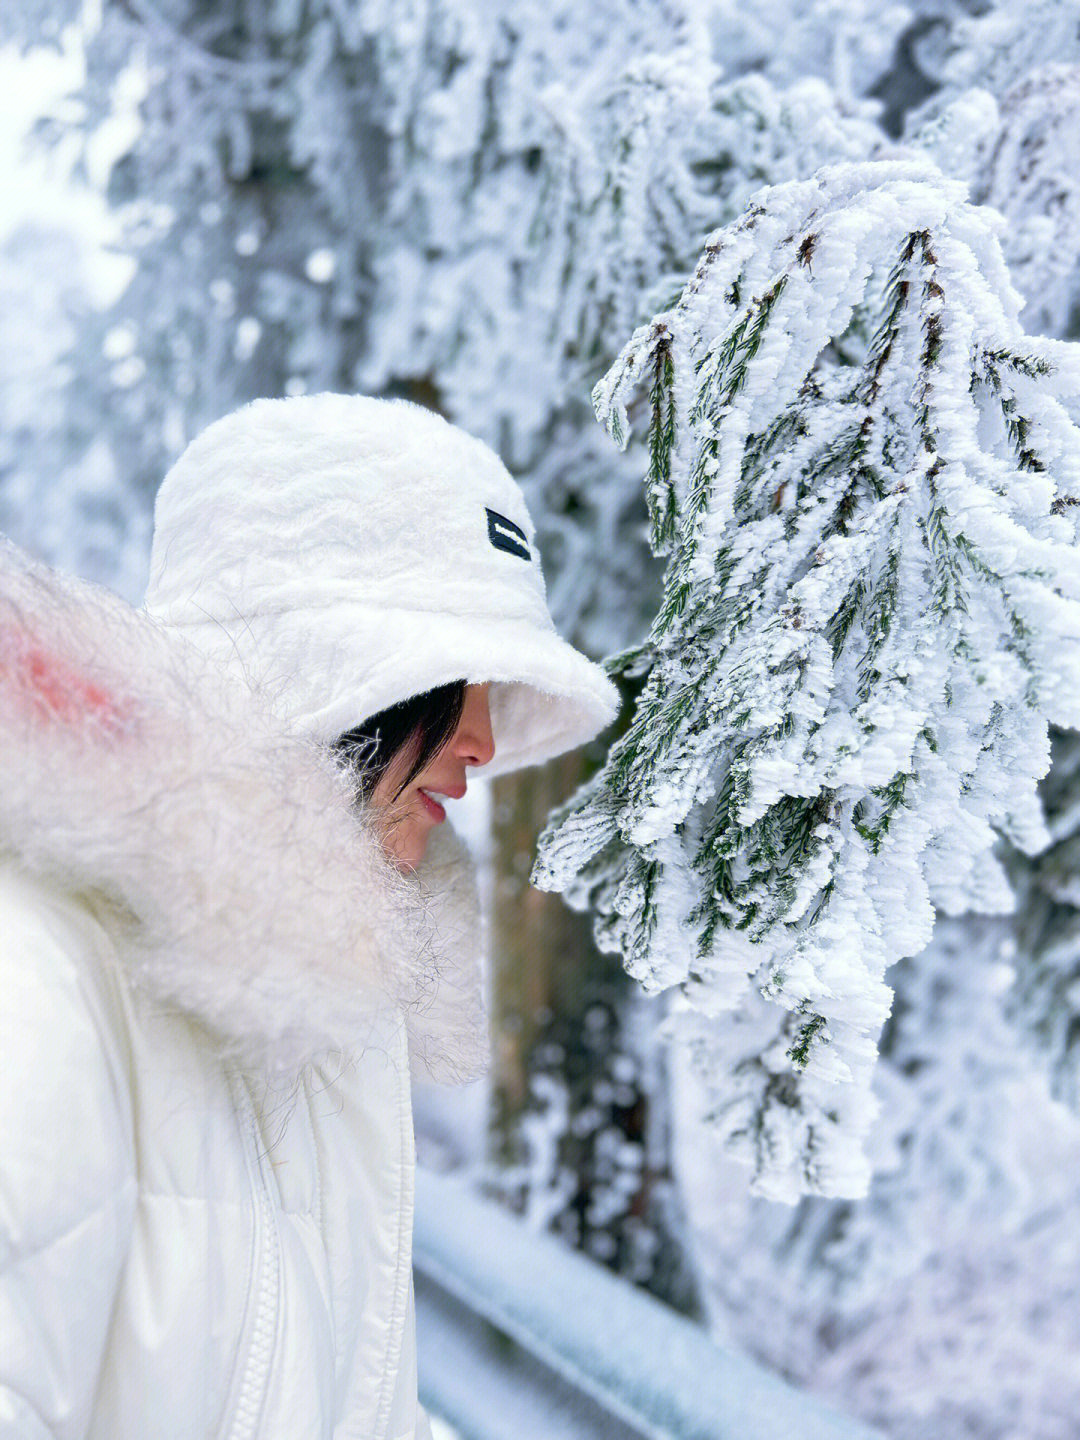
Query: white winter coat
x=212 y=984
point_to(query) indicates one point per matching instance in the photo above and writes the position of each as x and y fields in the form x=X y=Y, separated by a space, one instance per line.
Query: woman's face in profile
x=406 y=823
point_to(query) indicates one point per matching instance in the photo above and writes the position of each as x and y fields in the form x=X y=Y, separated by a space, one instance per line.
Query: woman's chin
x=408 y=865
x=408 y=851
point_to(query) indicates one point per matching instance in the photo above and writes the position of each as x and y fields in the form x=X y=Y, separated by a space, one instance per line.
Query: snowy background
x=801 y=1055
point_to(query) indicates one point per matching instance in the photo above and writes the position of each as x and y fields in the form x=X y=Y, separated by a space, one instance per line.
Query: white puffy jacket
x=212 y=984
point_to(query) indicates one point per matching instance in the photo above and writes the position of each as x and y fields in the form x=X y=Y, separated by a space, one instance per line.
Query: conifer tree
x=865 y=1299
x=864 y=481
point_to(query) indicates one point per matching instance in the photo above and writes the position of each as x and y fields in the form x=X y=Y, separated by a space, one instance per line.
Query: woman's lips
x=434 y=808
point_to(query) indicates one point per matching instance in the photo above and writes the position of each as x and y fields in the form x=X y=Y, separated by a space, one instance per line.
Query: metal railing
x=521 y=1338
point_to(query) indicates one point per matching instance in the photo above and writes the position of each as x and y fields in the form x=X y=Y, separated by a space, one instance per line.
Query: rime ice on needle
x=865 y=483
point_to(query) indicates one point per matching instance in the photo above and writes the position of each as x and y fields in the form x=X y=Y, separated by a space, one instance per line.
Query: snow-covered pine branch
x=865 y=482
x=945 y=1144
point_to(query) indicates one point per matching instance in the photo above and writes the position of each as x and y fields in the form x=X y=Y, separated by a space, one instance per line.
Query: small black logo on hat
x=505 y=535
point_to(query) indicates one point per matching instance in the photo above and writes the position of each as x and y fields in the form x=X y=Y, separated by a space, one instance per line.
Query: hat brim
x=545 y=698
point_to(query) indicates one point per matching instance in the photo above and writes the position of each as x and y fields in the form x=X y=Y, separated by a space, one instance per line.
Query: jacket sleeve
x=67 y=1172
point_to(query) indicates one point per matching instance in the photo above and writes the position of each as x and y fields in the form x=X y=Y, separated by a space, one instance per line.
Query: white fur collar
x=254 y=895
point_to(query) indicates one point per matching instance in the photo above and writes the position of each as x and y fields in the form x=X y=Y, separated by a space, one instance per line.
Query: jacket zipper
x=404 y=1249
x=266 y=1277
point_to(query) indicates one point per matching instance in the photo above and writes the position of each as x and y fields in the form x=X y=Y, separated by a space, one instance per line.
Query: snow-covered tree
x=92 y=524
x=476 y=205
x=903 y=1305
x=866 y=486
x=468 y=205
x=351 y=195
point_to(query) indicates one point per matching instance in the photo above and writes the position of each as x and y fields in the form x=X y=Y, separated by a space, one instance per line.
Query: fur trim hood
x=247 y=889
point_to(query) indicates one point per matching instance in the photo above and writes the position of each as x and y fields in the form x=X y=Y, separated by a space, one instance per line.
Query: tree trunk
x=579 y=1133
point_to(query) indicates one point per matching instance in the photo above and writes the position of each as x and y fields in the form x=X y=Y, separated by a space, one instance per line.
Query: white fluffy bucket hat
x=349 y=552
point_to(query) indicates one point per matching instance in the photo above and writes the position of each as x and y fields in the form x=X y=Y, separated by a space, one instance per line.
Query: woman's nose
x=475 y=742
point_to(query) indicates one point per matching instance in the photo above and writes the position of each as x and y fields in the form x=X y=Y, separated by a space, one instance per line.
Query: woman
x=232 y=921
